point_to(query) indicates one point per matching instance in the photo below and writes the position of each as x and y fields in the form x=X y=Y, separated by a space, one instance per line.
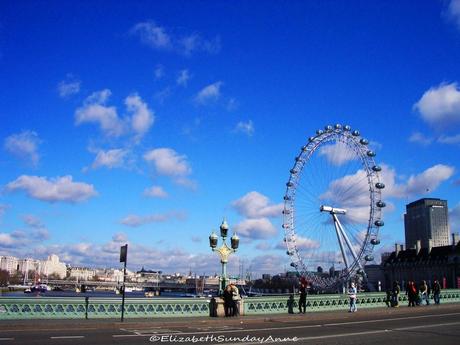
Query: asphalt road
x=431 y=325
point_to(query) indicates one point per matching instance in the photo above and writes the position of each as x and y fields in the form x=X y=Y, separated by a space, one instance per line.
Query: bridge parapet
x=93 y=308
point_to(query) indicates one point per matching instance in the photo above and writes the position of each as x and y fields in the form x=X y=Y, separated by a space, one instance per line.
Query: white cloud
x=428 y=180
x=301 y=243
x=357 y=203
x=245 y=127
x=24 y=146
x=264 y=246
x=209 y=93
x=19 y=239
x=159 y=72
x=268 y=263
x=338 y=153
x=69 y=87
x=168 y=162
x=453 y=11
x=159 y=38
x=54 y=190
x=119 y=237
x=95 y=111
x=195 y=43
x=306 y=243
x=355 y=200
x=136 y=220
x=142 y=117
x=257 y=205
x=183 y=77
x=110 y=159
x=153 y=35
x=420 y=138
x=155 y=192
x=440 y=106
x=452 y=139
x=33 y=221
x=256 y=228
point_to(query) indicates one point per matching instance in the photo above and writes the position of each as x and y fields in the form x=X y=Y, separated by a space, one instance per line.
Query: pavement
x=419 y=325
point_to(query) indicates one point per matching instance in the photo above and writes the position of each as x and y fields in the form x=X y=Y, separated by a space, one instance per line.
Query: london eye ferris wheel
x=333 y=207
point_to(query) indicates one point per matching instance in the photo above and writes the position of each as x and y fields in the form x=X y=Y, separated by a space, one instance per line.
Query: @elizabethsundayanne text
x=211 y=338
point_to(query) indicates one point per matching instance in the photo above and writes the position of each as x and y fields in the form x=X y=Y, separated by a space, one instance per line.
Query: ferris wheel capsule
x=355 y=133
x=379 y=185
x=379 y=223
x=375 y=241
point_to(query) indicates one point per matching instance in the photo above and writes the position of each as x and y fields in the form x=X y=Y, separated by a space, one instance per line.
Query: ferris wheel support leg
x=340 y=239
x=347 y=241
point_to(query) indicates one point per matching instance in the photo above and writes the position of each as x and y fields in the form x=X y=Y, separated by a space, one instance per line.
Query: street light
x=224 y=251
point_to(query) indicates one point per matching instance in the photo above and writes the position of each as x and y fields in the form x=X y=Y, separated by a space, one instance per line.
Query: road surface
x=386 y=326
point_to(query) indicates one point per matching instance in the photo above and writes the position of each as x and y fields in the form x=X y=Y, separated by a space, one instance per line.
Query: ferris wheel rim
x=353 y=139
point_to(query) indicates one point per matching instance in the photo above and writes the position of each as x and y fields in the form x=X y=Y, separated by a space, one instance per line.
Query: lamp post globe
x=224 y=229
x=235 y=240
x=213 y=240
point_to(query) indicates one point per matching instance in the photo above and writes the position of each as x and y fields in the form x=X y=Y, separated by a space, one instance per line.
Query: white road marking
x=308 y=326
x=341 y=335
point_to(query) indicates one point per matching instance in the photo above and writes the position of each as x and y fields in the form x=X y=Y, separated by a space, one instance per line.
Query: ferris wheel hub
x=332 y=210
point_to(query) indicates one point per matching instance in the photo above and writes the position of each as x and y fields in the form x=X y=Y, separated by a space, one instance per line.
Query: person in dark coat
x=436 y=292
x=302 y=298
x=228 y=301
x=395 y=294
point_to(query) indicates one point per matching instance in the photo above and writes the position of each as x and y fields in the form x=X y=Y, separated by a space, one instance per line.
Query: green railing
x=93 y=308
x=279 y=304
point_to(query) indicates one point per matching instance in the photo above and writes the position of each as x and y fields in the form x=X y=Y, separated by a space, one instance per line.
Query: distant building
x=427 y=220
x=47 y=267
x=81 y=273
x=440 y=263
x=148 y=276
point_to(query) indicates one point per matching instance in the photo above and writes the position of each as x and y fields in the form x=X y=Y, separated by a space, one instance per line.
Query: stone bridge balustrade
x=76 y=308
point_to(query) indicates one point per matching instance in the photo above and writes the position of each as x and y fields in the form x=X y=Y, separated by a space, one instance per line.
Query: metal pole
x=123 y=296
x=224 y=276
x=86 y=307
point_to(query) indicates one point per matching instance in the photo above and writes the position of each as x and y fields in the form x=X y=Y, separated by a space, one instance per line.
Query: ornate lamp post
x=224 y=251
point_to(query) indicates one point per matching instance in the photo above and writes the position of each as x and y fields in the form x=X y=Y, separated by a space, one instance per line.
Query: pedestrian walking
x=352 y=292
x=302 y=297
x=290 y=304
x=395 y=295
x=411 y=293
x=436 y=292
x=428 y=293
x=388 y=297
x=424 y=293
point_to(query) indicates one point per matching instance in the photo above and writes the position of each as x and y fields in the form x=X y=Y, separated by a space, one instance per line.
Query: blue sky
x=147 y=123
